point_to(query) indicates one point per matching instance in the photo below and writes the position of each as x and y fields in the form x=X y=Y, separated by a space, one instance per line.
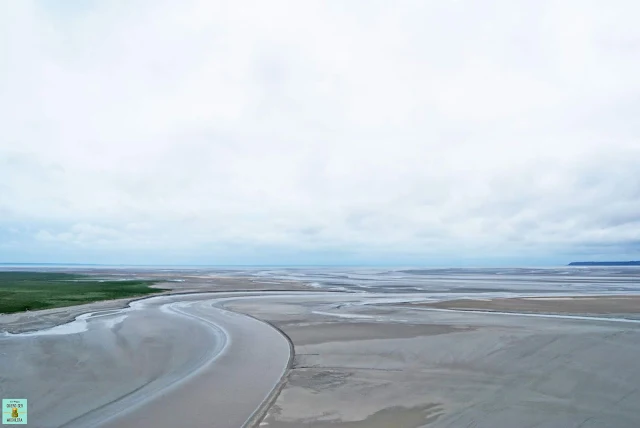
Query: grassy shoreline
x=28 y=291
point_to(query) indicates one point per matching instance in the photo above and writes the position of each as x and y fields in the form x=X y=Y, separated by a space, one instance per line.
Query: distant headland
x=629 y=263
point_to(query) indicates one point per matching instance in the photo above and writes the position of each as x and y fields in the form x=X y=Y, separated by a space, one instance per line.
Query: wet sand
x=410 y=368
x=575 y=305
x=361 y=361
x=165 y=362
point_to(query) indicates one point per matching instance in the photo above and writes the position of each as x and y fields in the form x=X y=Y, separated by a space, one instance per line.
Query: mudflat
x=20 y=322
x=402 y=366
x=137 y=367
x=575 y=305
x=362 y=360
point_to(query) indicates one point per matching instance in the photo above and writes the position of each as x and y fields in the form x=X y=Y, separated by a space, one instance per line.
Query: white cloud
x=425 y=129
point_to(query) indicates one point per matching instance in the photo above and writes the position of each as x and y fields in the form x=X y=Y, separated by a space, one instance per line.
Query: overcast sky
x=431 y=132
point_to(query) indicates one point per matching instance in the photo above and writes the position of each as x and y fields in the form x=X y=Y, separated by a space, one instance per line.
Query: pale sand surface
x=449 y=369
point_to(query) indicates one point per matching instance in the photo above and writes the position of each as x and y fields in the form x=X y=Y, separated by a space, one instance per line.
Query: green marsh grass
x=29 y=291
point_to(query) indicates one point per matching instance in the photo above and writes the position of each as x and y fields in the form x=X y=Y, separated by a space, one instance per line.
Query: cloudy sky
x=431 y=132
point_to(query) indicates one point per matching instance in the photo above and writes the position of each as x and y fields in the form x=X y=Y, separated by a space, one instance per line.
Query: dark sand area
x=579 y=305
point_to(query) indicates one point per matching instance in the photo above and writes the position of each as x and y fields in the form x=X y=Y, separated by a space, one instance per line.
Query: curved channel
x=160 y=362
